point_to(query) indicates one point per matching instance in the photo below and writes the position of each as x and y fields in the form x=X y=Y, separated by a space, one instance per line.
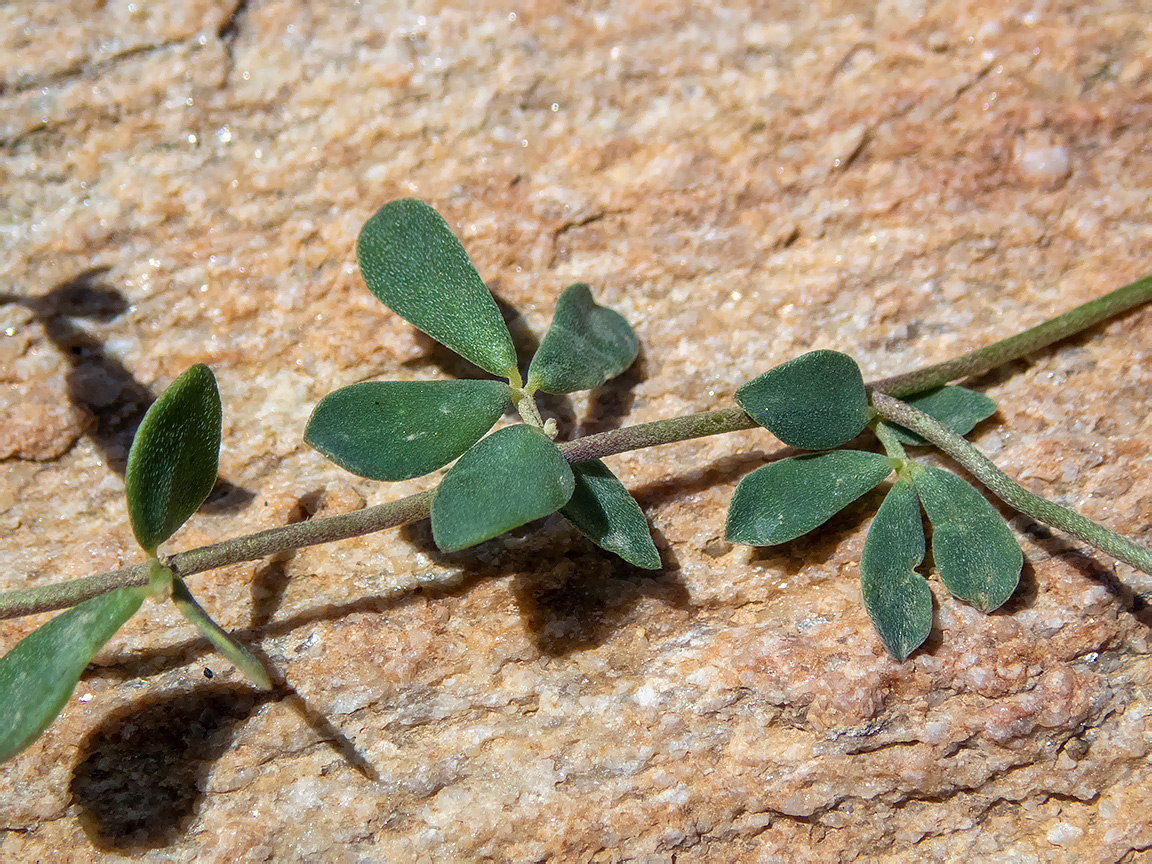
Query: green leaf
x=814 y=402
x=785 y=499
x=586 y=345
x=39 y=674
x=896 y=597
x=958 y=408
x=172 y=464
x=241 y=658
x=977 y=557
x=604 y=512
x=511 y=477
x=393 y=430
x=412 y=262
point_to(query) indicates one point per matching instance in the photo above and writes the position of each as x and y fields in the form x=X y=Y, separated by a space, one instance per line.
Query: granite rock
x=184 y=183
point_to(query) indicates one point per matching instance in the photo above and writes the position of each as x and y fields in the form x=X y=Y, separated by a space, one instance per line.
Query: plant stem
x=1008 y=490
x=997 y=354
x=236 y=550
x=44 y=598
x=656 y=433
x=328 y=529
x=394 y=513
x=529 y=413
x=889 y=442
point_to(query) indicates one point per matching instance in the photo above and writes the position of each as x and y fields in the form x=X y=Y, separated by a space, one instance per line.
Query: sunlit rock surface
x=184 y=182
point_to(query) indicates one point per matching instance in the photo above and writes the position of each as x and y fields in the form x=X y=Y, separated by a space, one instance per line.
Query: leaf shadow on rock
x=1026 y=593
x=432 y=353
x=99 y=384
x=610 y=403
x=140 y=775
x=727 y=470
x=572 y=595
x=139 y=778
x=584 y=601
x=935 y=639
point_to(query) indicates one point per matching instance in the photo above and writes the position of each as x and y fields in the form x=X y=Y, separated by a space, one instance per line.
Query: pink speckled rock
x=900 y=181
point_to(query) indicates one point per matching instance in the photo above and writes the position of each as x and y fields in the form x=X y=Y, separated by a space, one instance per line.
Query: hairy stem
x=656 y=433
x=1008 y=490
x=998 y=353
x=890 y=442
x=529 y=413
x=394 y=513
x=236 y=550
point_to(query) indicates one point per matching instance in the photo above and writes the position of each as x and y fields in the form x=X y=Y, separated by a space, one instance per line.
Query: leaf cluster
x=818 y=401
x=395 y=430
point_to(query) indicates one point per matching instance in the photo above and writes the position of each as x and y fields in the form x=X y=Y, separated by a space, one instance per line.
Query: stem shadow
x=573 y=595
x=1072 y=553
x=612 y=401
x=268 y=586
x=99 y=384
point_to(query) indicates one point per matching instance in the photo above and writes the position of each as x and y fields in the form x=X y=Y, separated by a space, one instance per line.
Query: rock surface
x=899 y=180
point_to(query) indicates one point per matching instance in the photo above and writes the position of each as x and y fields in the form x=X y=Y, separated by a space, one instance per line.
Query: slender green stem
x=394 y=513
x=1008 y=490
x=526 y=405
x=300 y=534
x=236 y=550
x=889 y=442
x=656 y=433
x=44 y=598
x=997 y=354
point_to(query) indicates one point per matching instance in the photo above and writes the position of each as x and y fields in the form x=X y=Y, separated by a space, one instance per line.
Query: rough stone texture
x=183 y=183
